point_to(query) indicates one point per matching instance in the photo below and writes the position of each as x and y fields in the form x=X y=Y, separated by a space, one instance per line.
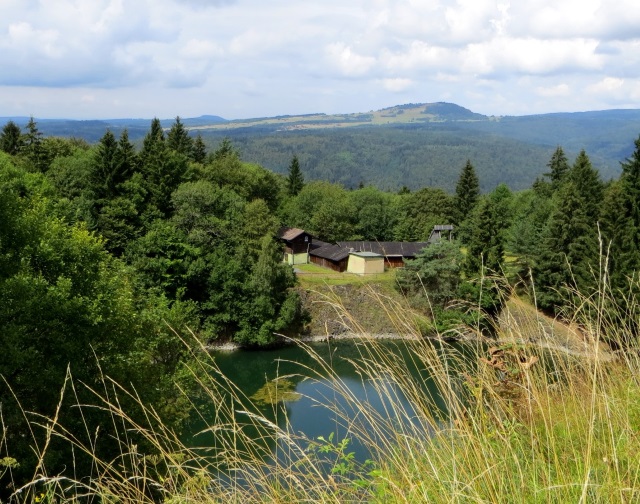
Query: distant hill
x=414 y=144
x=93 y=130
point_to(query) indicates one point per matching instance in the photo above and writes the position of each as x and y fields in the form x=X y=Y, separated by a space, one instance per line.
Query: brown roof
x=334 y=253
x=288 y=233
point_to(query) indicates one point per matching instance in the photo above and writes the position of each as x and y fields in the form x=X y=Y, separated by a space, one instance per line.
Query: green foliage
x=342 y=462
x=295 y=180
x=416 y=213
x=524 y=237
x=249 y=181
x=271 y=306
x=569 y=256
x=32 y=147
x=485 y=247
x=325 y=210
x=434 y=282
x=587 y=184
x=558 y=168
x=66 y=304
x=224 y=150
x=621 y=219
x=257 y=222
x=388 y=156
x=434 y=274
x=375 y=214
x=467 y=192
x=466 y=199
x=199 y=152
x=11 y=138
x=178 y=139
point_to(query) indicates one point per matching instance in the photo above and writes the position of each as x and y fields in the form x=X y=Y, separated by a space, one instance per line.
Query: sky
x=84 y=59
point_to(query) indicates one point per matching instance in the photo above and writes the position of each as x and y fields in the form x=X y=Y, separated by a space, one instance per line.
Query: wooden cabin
x=330 y=256
x=297 y=243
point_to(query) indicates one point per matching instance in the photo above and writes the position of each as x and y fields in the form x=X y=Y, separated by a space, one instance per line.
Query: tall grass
x=522 y=418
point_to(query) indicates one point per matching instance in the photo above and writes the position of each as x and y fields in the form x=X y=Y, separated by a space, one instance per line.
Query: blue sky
x=251 y=58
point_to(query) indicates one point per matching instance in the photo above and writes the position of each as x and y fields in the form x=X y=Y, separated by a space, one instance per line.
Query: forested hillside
x=395 y=156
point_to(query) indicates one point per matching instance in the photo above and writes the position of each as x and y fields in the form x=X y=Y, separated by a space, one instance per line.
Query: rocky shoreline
x=230 y=346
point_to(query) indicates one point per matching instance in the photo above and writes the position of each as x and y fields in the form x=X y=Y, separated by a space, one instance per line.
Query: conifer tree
x=485 y=247
x=616 y=229
x=153 y=138
x=163 y=169
x=33 y=146
x=558 y=168
x=295 y=181
x=466 y=199
x=588 y=185
x=103 y=173
x=621 y=221
x=225 y=150
x=199 y=153
x=569 y=253
x=126 y=159
x=467 y=192
x=178 y=138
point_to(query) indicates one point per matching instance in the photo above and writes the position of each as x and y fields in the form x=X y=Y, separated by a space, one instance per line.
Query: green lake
x=308 y=391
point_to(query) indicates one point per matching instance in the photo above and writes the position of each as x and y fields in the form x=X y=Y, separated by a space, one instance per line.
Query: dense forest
x=109 y=252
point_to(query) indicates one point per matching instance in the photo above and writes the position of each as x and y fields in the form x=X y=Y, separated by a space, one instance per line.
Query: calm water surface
x=250 y=370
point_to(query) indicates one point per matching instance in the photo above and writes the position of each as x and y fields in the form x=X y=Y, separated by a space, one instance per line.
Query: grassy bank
x=520 y=419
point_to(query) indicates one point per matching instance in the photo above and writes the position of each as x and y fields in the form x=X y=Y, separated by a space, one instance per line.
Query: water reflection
x=337 y=395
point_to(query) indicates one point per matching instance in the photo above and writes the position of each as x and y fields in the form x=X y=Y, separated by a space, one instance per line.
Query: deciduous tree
x=11 y=138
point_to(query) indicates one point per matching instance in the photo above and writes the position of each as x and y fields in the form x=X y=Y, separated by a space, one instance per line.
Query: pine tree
x=153 y=139
x=126 y=160
x=199 y=152
x=163 y=170
x=467 y=192
x=11 y=138
x=225 y=150
x=569 y=253
x=485 y=247
x=616 y=228
x=624 y=231
x=586 y=181
x=103 y=171
x=295 y=181
x=33 y=146
x=558 y=168
x=178 y=138
x=466 y=199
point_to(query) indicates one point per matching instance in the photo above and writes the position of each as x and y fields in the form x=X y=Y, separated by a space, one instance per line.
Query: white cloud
x=398 y=84
x=348 y=62
x=603 y=19
x=608 y=85
x=553 y=91
x=258 y=57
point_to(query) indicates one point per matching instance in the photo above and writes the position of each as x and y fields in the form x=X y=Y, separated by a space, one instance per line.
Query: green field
x=312 y=275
